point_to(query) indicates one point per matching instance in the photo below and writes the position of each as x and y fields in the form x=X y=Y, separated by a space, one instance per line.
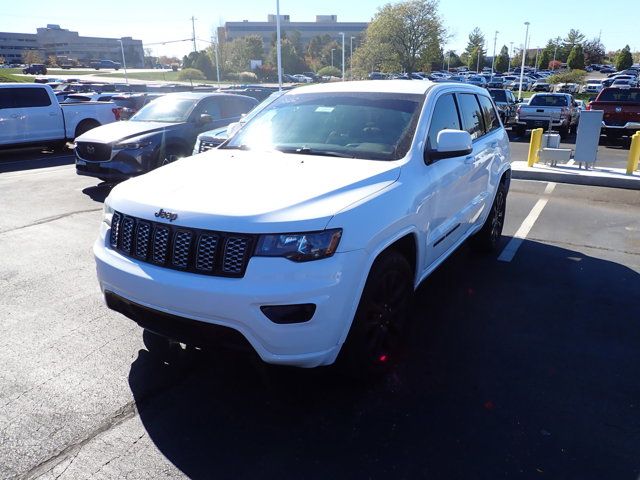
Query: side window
x=471 y=114
x=445 y=115
x=491 y=120
x=234 y=107
x=31 y=97
x=210 y=106
x=6 y=99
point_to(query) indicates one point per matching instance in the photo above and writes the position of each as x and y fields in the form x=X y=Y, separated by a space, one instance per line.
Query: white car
x=306 y=234
x=592 y=86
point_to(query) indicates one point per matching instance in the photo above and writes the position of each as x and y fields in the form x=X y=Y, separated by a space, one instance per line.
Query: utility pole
x=342 y=33
x=510 y=55
x=524 y=55
x=193 y=30
x=537 y=53
x=493 y=61
x=214 y=42
x=351 y=58
x=448 y=60
x=278 y=46
x=478 y=51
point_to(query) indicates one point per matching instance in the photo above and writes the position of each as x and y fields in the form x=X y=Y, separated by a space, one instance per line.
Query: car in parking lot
x=106 y=64
x=161 y=132
x=541 y=86
x=547 y=110
x=621 y=107
x=349 y=195
x=477 y=80
x=130 y=103
x=506 y=103
x=35 y=69
x=592 y=86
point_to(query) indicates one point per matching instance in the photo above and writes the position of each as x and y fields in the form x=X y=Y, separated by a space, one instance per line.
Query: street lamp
x=332 y=50
x=342 y=33
x=124 y=64
x=278 y=45
x=524 y=54
x=351 y=57
x=493 y=61
x=537 y=53
x=510 y=55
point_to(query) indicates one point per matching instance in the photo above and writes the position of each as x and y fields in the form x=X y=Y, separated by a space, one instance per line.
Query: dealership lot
x=523 y=367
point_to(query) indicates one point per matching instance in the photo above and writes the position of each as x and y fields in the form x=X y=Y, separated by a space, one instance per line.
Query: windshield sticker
x=324 y=109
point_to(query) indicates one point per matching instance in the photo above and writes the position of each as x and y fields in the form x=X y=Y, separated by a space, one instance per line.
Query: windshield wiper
x=310 y=151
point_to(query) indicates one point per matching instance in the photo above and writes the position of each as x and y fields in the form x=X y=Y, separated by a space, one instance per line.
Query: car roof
x=201 y=95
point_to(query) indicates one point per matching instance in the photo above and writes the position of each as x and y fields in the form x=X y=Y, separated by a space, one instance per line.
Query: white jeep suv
x=305 y=235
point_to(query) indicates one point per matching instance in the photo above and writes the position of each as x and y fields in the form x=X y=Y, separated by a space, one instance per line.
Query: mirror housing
x=451 y=143
x=205 y=118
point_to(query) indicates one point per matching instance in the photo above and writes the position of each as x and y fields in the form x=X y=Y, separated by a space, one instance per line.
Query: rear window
x=498 y=95
x=631 y=95
x=548 y=101
x=24 y=98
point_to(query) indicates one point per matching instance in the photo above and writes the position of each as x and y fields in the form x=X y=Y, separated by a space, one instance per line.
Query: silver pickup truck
x=557 y=111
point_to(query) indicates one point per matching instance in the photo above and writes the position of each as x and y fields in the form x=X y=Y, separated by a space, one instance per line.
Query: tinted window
x=166 y=109
x=631 y=95
x=209 y=106
x=236 y=106
x=548 y=101
x=498 y=95
x=445 y=115
x=491 y=120
x=24 y=97
x=471 y=114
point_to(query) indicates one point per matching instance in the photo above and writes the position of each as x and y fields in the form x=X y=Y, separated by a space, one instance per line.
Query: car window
x=236 y=106
x=491 y=119
x=24 y=97
x=445 y=116
x=209 y=106
x=470 y=114
x=548 y=101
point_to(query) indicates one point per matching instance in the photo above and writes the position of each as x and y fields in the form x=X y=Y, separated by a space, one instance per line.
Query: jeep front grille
x=187 y=249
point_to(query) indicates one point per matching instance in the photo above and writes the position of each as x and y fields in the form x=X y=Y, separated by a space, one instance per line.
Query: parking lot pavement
x=523 y=368
x=609 y=154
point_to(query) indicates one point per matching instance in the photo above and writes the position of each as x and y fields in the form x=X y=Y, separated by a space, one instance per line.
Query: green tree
x=241 y=51
x=624 y=59
x=452 y=59
x=502 y=60
x=475 y=47
x=544 y=58
x=31 y=56
x=406 y=36
x=594 y=51
x=292 y=61
x=190 y=74
x=576 y=58
x=332 y=71
x=573 y=38
x=203 y=63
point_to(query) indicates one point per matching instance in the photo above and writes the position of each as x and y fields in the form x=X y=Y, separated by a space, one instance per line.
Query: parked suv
x=305 y=235
x=35 y=69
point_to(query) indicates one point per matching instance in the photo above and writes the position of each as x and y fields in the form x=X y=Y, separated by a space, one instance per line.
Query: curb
x=632 y=183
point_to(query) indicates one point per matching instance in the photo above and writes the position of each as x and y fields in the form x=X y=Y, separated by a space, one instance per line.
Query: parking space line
x=512 y=247
x=571 y=162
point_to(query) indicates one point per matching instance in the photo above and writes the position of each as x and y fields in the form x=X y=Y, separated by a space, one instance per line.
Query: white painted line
x=571 y=162
x=514 y=244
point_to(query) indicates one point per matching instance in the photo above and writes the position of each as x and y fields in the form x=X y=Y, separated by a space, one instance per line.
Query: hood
x=116 y=131
x=254 y=192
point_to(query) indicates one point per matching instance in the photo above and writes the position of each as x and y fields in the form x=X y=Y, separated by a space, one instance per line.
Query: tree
x=405 y=36
x=52 y=61
x=241 y=51
x=452 y=59
x=544 y=59
x=203 y=63
x=190 y=74
x=573 y=38
x=502 y=61
x=330 y=71
x=624 y=59
x=2 y=60
x=475 y=48
x=292 y=61
x=31 y=56
x=555 y=64
x=576 y=58
x=593 y=51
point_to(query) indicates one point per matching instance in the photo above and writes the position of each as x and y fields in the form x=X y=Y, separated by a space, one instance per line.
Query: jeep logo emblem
x=168 y=215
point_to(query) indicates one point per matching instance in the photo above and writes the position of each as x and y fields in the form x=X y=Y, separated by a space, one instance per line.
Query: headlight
x=107 y=214
x=132 y=145
x=300 y=247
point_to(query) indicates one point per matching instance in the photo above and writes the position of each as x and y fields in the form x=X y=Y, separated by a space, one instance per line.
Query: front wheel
x=168 y=155
x=488 y=237
x=381 y=318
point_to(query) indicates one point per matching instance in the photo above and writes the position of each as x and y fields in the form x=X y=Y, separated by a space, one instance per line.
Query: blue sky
x=156 y=21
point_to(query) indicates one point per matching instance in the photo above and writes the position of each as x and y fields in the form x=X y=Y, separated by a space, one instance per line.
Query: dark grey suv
x=161 y=132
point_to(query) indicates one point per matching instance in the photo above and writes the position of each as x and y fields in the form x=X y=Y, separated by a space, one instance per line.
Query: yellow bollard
x=534 y=146
x=634 y=154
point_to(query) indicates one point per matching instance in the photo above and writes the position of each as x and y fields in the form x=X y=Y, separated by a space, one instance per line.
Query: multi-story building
x=65 y=44
x=324 y=25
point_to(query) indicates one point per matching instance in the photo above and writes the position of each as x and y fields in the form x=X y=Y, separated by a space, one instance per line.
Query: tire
x=84 y=126
x=169 y=155
x=381 y=318
x=488 y=237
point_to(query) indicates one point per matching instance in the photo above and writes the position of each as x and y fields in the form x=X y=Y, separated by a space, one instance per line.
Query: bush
x=191 y=74
x=9 y=78
x=330 y=72
x=572 y=76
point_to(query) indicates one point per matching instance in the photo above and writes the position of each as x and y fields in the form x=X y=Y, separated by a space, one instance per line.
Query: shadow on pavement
x=99 y=192
x=15 y=160
x=516 y=369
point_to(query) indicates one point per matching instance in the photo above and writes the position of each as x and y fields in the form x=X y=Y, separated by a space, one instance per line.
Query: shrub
x=330 y=72
x=191 y=74
x=572 y=76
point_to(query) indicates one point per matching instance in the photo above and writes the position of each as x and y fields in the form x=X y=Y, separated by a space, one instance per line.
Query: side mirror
x=452 y=143
x=204 y=119
x=233 y=128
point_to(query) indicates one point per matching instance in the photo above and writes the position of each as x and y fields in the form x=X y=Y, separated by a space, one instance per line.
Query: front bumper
x=123 y=164
x=333 y=285
x=544 y=123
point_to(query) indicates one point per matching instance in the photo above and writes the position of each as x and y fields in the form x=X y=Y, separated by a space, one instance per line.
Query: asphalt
x=513 y=369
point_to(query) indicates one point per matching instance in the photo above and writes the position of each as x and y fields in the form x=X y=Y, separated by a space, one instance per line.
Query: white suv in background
x=306 y=234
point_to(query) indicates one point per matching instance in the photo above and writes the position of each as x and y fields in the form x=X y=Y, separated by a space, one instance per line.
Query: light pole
x=537 y=53
x=493 y=61
x=332 y=50
x=524 y=54
x=278 y=45
x=478 y=51
x=124 y=64
x=342 y=33
x=351 y=57
x=510 y=55
x=448 y=60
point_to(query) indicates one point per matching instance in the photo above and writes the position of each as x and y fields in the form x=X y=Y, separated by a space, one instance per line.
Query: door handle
x=469 y=160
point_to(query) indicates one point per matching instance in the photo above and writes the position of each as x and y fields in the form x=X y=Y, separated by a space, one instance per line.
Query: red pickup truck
x=621 y=108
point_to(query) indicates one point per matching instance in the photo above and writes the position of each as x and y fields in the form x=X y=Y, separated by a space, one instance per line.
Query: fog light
x=289 y=313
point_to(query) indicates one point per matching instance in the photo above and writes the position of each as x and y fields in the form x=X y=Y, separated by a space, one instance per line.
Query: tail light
x=588 y=107
x=116 y=113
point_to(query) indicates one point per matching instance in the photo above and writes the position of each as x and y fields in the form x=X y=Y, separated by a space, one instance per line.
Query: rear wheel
x=381 y=318
x=488 y=237
x=85 y=126
x=169 y=155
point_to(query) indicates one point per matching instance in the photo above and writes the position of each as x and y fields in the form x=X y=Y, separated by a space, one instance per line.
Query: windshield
x=548 y=101
x=166 y=109
x=369 y=125
x=631 y=95
x=498 y=95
